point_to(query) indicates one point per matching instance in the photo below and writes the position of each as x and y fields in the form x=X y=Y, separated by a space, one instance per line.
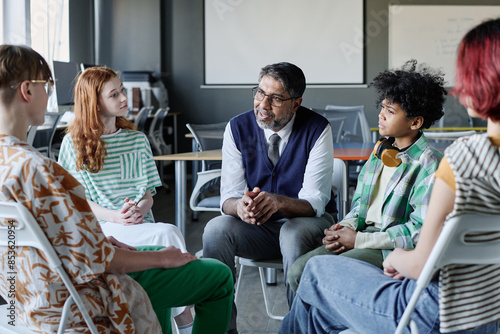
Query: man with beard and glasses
x=275 y=191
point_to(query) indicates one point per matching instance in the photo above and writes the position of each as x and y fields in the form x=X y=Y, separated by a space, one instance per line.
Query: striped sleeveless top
x=469 y=295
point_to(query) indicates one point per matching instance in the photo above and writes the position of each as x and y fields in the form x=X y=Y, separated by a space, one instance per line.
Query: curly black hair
x=419 y=90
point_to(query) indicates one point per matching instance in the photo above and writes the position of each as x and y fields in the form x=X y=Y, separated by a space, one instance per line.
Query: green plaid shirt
x=406 y=196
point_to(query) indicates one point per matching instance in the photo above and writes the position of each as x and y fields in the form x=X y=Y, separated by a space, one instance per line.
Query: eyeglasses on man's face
x=48 y=85
x=275 y=101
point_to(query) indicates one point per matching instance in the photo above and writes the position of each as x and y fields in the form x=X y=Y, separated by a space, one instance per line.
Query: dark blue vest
x=287 y=176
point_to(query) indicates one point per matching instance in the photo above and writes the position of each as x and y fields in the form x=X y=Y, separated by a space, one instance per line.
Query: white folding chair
x=340 y=187
x=155 y=133
x=157 y=141
x=31 y=134
x=44 y=135
x=205 y=195
x=452 y=248
x=261 y=264
x=29 y=233
x=207 y=137
x=199 y=201
x=142 y=118
x=355 y=127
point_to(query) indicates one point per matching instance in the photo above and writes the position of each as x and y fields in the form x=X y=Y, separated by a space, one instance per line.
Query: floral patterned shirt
x=117 y=303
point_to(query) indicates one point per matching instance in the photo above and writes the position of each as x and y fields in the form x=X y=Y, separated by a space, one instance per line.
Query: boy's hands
x=339 y=239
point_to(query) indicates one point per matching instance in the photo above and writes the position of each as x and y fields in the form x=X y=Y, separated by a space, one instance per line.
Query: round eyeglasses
x=48 y=85
x=275 y=101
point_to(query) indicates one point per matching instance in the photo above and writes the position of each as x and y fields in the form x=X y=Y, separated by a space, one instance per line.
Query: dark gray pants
x=226 y=237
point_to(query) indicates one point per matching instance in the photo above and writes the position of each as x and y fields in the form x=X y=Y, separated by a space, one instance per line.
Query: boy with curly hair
x=394 y=186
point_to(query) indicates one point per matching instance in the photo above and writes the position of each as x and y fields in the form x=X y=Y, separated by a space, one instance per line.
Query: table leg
x=180 y=195
x=175 y=134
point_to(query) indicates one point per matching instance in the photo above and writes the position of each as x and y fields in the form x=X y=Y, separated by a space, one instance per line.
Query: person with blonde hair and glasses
x=336 y=293
x=125 y=290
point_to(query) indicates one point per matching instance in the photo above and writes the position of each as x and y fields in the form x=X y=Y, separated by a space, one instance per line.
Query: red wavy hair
x=87 y=128
x=477 y=81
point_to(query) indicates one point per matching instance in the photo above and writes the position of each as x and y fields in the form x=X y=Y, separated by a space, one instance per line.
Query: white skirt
x=148 y=234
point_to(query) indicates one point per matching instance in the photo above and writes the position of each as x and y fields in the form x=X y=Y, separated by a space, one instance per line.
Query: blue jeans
x=337 y=293
x=226 y=237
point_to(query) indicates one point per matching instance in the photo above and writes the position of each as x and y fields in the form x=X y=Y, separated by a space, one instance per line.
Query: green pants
x=205 y=283
x=372 y=256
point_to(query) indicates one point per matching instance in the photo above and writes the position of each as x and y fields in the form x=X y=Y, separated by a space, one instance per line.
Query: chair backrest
x=142 y=118
x=25 y=231
x=337 y=125
x=206 y=192
x=355 y=127
x=155 y=133
x=339 y=186
x=208 y=137
x=31 y=134
x=454 y=247
x=44 y=134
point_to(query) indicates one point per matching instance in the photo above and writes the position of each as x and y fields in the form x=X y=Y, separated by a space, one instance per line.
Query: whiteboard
x=323 y=37
x=431 y=34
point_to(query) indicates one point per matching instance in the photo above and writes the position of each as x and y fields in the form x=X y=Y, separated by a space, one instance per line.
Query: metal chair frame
x=29 y=233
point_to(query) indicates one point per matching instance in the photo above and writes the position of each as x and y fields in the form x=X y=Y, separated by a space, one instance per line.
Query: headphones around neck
x=385 y=151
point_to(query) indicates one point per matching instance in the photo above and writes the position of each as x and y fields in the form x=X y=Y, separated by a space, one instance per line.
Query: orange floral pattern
x=117 y=303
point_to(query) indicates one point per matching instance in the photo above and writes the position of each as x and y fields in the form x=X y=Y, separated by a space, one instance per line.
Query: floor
x=252 y=316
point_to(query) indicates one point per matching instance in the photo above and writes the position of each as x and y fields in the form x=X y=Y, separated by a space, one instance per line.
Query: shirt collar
x=419 y=146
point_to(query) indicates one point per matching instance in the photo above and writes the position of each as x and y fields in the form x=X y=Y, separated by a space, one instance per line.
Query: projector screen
x=323 y=37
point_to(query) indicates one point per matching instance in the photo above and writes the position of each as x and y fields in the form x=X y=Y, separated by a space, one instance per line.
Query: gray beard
x=276 y=123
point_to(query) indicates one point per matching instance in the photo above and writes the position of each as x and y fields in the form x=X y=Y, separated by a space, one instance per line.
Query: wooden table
x=352 y=151
x=344 y=151
x=180 y=180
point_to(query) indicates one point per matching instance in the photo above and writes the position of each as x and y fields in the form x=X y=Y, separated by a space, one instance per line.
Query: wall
x=209 y=105
x=129 y=37
x=181 y=49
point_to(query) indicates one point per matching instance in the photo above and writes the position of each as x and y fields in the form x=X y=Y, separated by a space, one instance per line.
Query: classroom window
x=1 y=25
x=50 y=28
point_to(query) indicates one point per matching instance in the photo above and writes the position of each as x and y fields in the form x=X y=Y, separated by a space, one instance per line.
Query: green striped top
x=129 y=170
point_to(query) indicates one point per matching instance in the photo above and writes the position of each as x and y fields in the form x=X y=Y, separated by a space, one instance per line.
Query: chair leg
x=238 y=283
x=263 y=284
x=195 y=216
x=271 y=276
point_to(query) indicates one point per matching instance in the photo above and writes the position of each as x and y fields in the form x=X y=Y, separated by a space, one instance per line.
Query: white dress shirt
x=317 y=185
